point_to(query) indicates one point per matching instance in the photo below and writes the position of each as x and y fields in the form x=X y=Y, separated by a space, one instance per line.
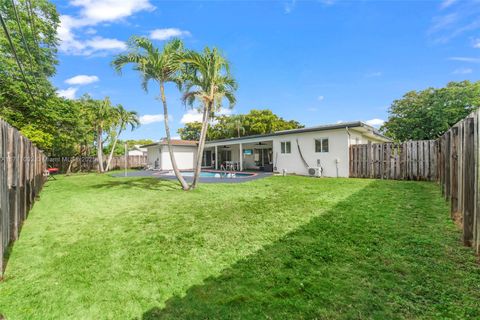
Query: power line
x=25 y=44
x=31 y=21
x=5 y=29
x=21 y=33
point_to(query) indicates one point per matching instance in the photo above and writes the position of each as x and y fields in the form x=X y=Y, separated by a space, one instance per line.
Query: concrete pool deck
x=163 y=175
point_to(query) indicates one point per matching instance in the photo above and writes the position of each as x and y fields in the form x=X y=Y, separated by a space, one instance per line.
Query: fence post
x=2 y=192
x=476 y=230
x=469 y=182
x=454 y=172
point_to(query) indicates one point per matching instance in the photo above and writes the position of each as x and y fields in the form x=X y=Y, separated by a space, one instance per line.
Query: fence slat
x=413 y=160
x=22 y=168
x=469 y=182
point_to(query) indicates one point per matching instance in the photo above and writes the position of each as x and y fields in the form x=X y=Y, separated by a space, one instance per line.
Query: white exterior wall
x=184 y=155
x=153 y=153
x=292 y=163
x=135 y=153
x=358 y=138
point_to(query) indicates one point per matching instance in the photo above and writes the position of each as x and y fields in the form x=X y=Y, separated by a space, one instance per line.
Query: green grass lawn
x=98 y=247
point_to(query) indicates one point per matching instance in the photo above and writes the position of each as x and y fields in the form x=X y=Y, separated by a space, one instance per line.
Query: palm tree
x=101 y=118
x=207 y=80
x=123 y=119
x=161 y=66
x=237 y=124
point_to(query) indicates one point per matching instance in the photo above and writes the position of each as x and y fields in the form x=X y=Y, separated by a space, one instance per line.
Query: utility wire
x=21 y=33
x=5 y=29
x=32 y=22
x=25 y=44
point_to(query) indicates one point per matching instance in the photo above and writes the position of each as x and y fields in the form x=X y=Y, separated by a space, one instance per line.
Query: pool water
x=215 y=174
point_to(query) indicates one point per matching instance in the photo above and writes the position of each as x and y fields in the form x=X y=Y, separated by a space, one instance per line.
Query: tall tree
x=101 y=116
x=122 y=119
x=207 y=80
x=162 y=66
x=236 y=124
x=224 y=126
x=28 y=48
x=428 y=113
x=191 y=131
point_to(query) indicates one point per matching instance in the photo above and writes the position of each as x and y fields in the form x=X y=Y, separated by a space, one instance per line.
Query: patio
x=249 y=153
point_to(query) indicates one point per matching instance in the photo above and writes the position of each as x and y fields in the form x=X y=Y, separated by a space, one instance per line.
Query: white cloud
x=375 y=122
x=165 y=34
x=455 y=21
x=68 y=93
x=465 y=59
x=320 y=98
x=443 y=22
x=462 y=71
x=192 y=115
x=224 y=112
x=374 y=74
x=151 y=118
x=92 y=13
x=97 y=11
x=82 y=79
x=90 y=31
x=447 y=3
x=476 y=43
x=312 y=109
x=289 y=6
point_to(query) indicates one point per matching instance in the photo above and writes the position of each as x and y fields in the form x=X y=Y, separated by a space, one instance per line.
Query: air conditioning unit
x=315 y=172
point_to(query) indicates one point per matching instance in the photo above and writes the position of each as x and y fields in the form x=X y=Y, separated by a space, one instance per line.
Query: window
x=321 y=145
x=285 y=147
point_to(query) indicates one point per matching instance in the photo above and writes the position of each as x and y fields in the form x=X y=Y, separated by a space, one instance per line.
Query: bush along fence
x=22 y=168
x=88 y=164
x=453 y=160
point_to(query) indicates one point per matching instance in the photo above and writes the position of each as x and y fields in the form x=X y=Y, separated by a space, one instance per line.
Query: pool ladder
x=226 y=168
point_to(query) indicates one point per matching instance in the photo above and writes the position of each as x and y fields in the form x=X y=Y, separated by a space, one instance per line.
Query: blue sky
x=313 y=61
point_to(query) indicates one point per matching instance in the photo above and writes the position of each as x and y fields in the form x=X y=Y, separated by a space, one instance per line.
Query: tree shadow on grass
x=368 y=257
x=140 y=183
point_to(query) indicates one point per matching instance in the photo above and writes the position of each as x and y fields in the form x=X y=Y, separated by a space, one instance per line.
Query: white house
x=137 y=150
x=321 y=150
x=158 y=156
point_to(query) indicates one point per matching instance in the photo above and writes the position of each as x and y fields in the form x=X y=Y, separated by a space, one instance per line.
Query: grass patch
x=100 y=247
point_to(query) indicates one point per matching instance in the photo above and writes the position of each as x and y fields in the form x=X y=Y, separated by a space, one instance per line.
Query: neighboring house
x=137 y=150
x=158 y=156
x=321 y=150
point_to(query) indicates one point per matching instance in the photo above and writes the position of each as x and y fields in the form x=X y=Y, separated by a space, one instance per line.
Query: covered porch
x=239 y=154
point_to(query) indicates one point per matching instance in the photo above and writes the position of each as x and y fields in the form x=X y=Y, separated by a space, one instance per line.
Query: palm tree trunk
x=100 y=150
x=110 y=156
x=201 y=146
x=179 y=176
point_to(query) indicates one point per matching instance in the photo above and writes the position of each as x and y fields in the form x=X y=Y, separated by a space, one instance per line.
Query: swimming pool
x=207 y=176
x=215 y=174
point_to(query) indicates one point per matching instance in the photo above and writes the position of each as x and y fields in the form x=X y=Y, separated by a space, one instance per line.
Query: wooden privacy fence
x=459 y=175
x=412 y=160
x=87 y=164
x=22 y=167
x=453 y=160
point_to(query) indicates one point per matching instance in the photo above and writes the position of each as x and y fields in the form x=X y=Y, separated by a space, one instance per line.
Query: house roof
x=341 y=125
x=175 y=142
